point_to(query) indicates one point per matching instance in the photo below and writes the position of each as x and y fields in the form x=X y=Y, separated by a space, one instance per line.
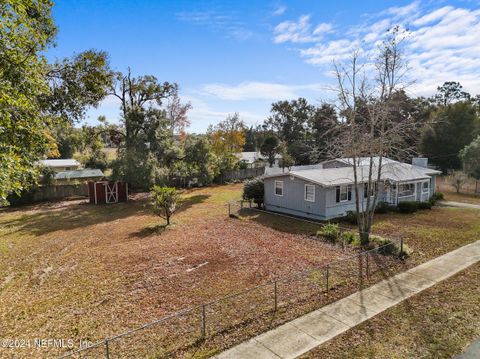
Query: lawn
x=436 y=323
x=74 y=270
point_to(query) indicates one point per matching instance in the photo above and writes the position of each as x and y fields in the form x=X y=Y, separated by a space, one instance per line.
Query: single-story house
x=84 y=175
x=325 y=191
x=254 y=159
x=60 y=165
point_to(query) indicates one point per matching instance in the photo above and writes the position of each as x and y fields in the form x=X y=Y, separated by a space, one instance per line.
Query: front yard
x=73 y=270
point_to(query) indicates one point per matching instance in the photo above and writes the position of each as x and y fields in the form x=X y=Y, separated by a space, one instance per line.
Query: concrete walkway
x=472 y=351
x=299 y=336
x=459 y=204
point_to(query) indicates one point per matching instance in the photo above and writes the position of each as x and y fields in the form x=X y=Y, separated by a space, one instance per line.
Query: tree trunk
x=168 y=220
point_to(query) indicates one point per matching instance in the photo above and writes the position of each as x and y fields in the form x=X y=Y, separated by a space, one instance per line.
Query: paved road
x=301 y=335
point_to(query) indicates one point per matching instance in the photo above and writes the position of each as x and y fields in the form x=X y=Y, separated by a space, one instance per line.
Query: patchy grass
x=74 y=270
x=430 y=233
x=436 y=323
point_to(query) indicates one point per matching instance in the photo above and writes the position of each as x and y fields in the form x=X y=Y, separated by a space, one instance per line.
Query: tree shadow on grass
x=278 y=222
x=73 y=217
x=191 y=201
x=150 y=230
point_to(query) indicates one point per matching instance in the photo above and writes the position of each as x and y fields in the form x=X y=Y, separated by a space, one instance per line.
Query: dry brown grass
x=467 y=193
x=436 y=323
x=74 y=270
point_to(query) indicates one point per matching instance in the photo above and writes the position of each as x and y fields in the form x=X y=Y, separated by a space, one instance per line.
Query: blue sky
x=240 y=56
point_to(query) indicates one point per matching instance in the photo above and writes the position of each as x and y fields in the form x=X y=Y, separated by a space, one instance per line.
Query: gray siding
x=293 y=199
x=325 y=206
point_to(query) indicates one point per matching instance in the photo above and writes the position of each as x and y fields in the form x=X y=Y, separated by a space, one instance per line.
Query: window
x=373 y=189
x=425 y=188
x=279 y=188
x=406 y=189
x=344 y=193
x=310 y=192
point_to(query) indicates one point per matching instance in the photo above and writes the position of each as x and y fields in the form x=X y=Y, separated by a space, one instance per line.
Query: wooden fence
x=50 y=193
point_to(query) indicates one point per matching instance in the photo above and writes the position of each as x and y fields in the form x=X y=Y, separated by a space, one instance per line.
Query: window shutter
x=349 y=193
x=365 y=190
x=338 y=193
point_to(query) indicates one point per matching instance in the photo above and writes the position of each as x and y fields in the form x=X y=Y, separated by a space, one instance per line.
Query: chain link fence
x=236 y=317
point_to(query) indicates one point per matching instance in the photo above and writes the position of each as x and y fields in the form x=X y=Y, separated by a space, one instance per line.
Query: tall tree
x=147 y=146
x=449 y=92
x=290 y=120
x=454 y=126
x=75 y=84
x=470 y=156
x=270 y=148
x=323 y=126
x=380 y=132
x=26 y=30
x=177 y=114
x=227 y=138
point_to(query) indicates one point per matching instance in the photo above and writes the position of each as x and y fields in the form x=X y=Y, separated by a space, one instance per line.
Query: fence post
x=107 y=351
x=326 y=274
x=229 y=211
x=401 y=247
x=275 y=294
x=204 y=321
x=241 y=204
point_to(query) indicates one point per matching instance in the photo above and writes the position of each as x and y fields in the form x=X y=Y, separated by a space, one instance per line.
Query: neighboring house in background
x=68 y=171
x=66 y=177
x=325 y=191
x=61 y=165
x=255 y=159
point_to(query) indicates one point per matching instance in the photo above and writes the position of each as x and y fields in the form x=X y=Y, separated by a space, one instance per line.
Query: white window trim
x=305 y=193
x=344 y=200
x=275 y=188
x=426 y=190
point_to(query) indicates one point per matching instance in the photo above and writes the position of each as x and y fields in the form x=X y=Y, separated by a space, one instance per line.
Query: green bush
x=350 y=238
x=383 y=207
x=437 y=196
x=351 y=217
x=407 y=207
x=253 y=190
x=330 y=232
x=425 y=205
x=388 y=247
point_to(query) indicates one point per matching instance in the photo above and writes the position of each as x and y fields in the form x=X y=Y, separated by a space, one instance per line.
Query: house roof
x=391 y=171
x=79 y=174
x=70 y=162
x=252 y=157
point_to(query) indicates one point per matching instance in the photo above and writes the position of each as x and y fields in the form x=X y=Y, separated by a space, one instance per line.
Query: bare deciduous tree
x=177 y=114
x=373 y=124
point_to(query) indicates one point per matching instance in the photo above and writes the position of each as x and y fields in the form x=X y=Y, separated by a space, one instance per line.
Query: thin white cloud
x=300 y=31
x=260 y=91
x=280 y=10
x=442 y=44
x=219 y=22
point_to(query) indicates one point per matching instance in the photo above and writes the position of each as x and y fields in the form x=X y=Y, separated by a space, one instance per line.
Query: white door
x=111 y=192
